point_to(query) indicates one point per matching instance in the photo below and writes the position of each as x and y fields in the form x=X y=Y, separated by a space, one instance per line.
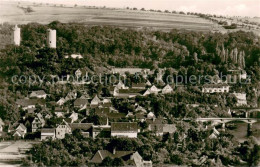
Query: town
x=133 y=105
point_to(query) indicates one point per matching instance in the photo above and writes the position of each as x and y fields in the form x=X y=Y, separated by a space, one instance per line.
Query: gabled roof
x=61 y=101
x=169 y=128
x=116 y=115
x=81 y=126
x=39 y=115
x=140 y=108
x=48 y=130
x=167 y=87
x=22 y=126
x=154 y=88
x=28 y=102
x=102 y=154
x=138 y=85
x=215 y=85
x=102 y=111
x=148 y=83
x=38 y=92
x=71 y=95
x=124 y=127
x=80 y=101
x=85 y=96
x=95 y=100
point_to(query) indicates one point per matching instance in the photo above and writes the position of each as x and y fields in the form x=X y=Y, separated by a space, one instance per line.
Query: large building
x=17 y=35
x=51 y=38
x=124 y=129
x=215 y=88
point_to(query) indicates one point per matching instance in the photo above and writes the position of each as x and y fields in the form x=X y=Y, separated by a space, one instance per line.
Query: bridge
x=223 y=121
x=248 y=110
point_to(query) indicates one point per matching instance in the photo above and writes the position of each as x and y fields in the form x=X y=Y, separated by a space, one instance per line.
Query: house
x=148 y=83
x=124 y=129
x=140 y=109
x=102 y=111
x=215 y=88
x=116 y=116
x=151 y=115
x=61 y=101
x=132 y=71
x=167 y=89
x=160 y=129
x=101 y=131
x=38 y=94
x=152 y=90
x=78 y=73
x=62 y=129
x=241 y=74
x=74 y=56
x=214 y=134
x=128 y=93
x=147 y=92
x=38 y=122
x=81 y=103
x=2 y=124
x=138 y=86
x=95 y=101
x=71 y=96
x=106 y=102
x=60 y=112
x=132 y=158
x=85 y=96
x=74 y=117
x=85 y=128
x=47 y=133
x=17 y=129
x=29 y=103
x=121 y=85
x=241 y=99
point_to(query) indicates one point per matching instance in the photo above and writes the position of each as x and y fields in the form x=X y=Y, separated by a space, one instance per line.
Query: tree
x=107 y=162
x=118 y=162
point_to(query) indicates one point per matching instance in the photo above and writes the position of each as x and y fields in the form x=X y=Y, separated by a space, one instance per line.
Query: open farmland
x=101 y=16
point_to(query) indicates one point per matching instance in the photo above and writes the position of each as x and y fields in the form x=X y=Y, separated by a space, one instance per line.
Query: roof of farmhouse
x=124 y=126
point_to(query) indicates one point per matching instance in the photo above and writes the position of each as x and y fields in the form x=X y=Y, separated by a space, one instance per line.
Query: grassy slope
x=90 y=16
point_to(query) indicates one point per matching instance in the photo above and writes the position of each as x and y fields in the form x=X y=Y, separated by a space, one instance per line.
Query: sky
x=249 y=8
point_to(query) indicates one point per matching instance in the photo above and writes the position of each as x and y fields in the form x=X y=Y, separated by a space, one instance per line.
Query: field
x=101 y=16
x=10 y=154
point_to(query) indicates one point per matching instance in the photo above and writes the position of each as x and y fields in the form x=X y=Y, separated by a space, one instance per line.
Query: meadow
x=45 y=14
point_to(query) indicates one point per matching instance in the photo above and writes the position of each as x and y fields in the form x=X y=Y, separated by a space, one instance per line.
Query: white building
x=124 y=129
x=38 y=94
x=63 y=129
x=47 y=133
x=167 y=89
x=17 y=35
x=51 y=38
x=241 y=99
x=95 y=101
x=215 y=88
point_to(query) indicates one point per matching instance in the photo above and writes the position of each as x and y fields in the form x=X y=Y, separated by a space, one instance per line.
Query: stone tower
x=17 y=35
x=51 y=38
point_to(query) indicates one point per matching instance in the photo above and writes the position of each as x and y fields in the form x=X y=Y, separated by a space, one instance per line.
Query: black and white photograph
x=129 y=83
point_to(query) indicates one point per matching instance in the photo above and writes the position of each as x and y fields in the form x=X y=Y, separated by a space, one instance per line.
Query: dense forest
x=201 y=53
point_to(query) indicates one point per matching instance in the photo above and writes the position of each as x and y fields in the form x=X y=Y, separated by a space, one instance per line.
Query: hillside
x=13 y=13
